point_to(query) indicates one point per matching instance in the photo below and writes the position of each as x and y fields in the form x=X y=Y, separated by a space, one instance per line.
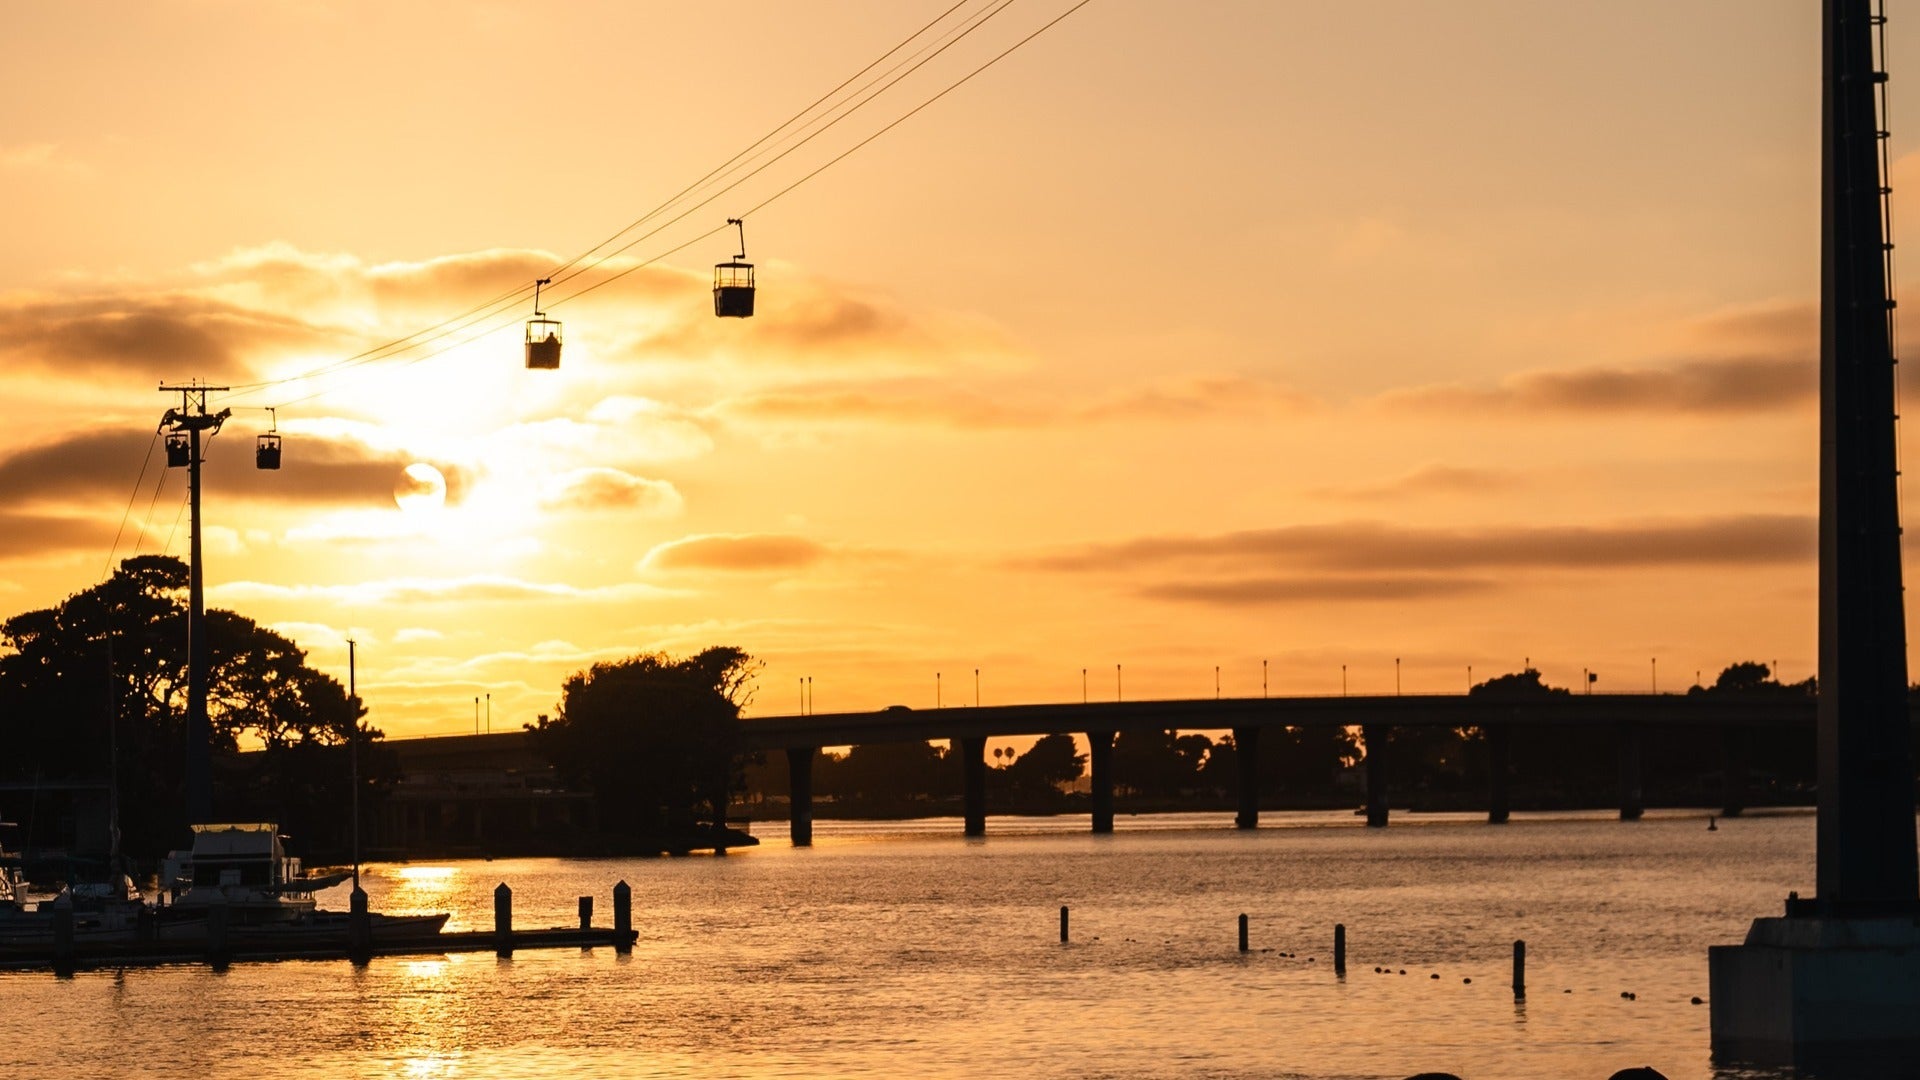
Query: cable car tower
x=543 y=334
x=733 y=281
x=184 y=426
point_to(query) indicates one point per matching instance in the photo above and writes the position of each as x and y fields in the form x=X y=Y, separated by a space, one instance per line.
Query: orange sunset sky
x=1190 y=334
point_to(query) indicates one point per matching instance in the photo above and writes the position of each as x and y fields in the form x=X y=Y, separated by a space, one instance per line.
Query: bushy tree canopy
x=656 y=739
x=111 y=662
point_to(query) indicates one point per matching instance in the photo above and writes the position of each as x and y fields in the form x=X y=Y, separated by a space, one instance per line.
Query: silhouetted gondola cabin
x=266 y=454
x=543 y=334
x=543 y=343
x=733 y=281
x=179 y=450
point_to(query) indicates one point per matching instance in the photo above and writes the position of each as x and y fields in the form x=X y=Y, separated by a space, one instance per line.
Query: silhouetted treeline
x=102 y=677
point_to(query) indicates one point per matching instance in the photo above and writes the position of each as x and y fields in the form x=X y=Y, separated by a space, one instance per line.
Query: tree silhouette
x=111 y=661
x=1046 y=767
x=655 y=739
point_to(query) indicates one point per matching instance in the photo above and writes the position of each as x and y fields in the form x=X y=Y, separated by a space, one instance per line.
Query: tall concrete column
x=1866 y=863
x=1736 y=757
x=800 y=795
x=1633 y=801
x=1100 y=778
x=1374 y=737
x=973 y=761
x=1246 y=755
x=1499 y=764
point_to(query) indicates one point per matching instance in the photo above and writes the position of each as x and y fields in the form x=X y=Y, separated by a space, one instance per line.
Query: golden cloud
x=1746 y=385
x=1374 y=547
x=742 y=553
x=613 y=489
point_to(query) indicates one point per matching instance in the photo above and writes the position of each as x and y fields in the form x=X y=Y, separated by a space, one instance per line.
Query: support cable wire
x=494 y=306
x=484 y=331
x=885 y=81
x=843 y=155
x=954 y=38
x=133 y=496
x=757 y=143
x=146 y=525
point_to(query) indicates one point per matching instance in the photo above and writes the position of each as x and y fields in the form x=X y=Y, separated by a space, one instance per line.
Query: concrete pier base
x=1100 y=750
x=1246 y=753
x=973 y=761
x=1818 y=991
x=1374 y=738
x=800 y=795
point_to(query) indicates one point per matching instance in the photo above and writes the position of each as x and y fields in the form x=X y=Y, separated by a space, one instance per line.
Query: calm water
x=902 y=949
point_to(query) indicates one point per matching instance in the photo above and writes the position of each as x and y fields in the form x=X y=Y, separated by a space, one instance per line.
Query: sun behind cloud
x=420 y=489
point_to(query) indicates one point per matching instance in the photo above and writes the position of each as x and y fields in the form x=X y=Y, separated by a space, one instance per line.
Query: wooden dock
x=264 y=948
x=357 y=937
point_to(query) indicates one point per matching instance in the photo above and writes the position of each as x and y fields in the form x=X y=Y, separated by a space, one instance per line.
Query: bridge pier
x=1100 y=779
x=1632 y=798
x=1374 y=736
x=1499 y=764
x=800 y=795
x=973 y=761
x=1246 y=755
x=1736 y=757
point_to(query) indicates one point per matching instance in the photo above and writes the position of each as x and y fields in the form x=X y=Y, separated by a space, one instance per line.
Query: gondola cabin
x=543 y=343
x=266 y=453
x=733 y=290
x=543 y=334
x=179 y=450
x=733 y=281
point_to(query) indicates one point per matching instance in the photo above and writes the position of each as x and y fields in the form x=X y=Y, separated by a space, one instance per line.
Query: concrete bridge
x=968 y=729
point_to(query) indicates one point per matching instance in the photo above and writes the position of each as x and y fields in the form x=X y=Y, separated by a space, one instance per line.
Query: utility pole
x=353 y=757
x=183 y=427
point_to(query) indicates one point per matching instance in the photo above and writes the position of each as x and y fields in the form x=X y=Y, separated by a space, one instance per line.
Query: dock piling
x=623 y=918
x=218 y=918
x=63 y=937
x=1339 y=948
x=503 y=921
x=1063 y=924
x=1243 y=931
x=586 y=913
x=359 y=928
x=1519 y=969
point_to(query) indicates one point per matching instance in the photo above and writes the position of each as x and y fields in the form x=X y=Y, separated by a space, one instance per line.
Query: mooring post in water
x=1243 y=932
x=63 y=936
x=1063 y=924
x=622 y=918
x=359 y=927
x=586 y=913
x=218 y=915
x=1339 y=948
x=503 y=921
x=1519 y=969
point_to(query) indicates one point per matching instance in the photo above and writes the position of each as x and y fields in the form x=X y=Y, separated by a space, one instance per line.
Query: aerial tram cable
x=891 y=79
x=837 y=159
x=917 y=61
x=757 y=143
x=843 y=155
x=482 y=311
x=132 y=497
